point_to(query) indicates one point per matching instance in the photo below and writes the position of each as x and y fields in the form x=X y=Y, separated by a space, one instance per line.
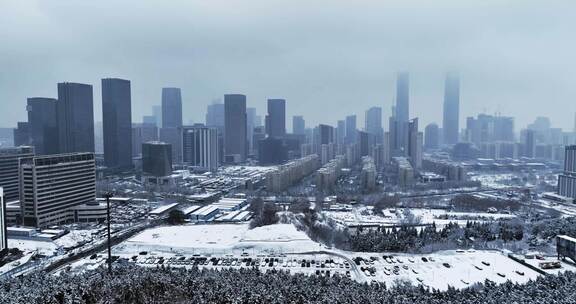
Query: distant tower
x=215 y=115
x=450 y=125
x=351 y=129
x=373 y=124
x=171 y=108
x=399 y=121
x=171 y=131
x=43 y=125
x=117 y=122
x=250 y=125
x=432 y=136
x=403 y=97
x=414 y=144
x=298 y=125
x=574 y=123
x=235 y=128
x=276 y=118
x=200 y=146
x=75 y=115
x=341 y=132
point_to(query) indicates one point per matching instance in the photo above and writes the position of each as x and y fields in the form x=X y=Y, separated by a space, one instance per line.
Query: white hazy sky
x=328 y=58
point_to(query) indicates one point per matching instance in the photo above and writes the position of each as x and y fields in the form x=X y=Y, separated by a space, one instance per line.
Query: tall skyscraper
x=117 y=122
x=450 y=124
x=215 y=115
x=373 y=124
x=215 y=119
x=171 y=108
x=250 y=125
x=43 y=125
x=402 y=97
x=398 y=124
x=75 y=115
x=530 y=143
x=351 y=129
x=432 y=136
x=414 y=144
x=298 y=125
x=235 y=128
x=276 y=118
x=341 y=132
x=157 y=113
x=53 y=184
x=200 y=147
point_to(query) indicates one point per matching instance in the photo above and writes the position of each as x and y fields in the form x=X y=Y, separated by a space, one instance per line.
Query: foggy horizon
x=513 y=57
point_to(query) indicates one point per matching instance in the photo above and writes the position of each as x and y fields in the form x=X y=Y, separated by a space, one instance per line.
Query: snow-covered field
x=223 y=239
x=462 y=268
x=392 y=217
x=496 y=181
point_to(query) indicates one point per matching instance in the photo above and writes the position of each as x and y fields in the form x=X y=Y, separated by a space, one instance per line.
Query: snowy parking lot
x=282 y=247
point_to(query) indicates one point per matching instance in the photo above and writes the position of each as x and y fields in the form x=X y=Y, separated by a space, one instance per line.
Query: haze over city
x=252 y=151
x=339 y=55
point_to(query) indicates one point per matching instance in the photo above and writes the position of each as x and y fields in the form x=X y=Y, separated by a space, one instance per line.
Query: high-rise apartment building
x=351 y=129
x=567 y=180
x=75 y=116
x=117 y=122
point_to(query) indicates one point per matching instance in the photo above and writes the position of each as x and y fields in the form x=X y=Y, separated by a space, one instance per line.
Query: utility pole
x=108 y=195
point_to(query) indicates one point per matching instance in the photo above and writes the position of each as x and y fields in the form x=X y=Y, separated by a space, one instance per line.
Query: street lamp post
x=108 y=195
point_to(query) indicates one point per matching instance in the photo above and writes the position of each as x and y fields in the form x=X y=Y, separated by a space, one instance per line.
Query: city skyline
x=501 y=78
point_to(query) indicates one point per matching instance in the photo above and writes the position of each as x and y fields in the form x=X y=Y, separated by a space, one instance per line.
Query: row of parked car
x=230 y=261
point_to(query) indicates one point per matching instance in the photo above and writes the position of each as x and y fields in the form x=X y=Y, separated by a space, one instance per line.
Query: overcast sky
x=328 y=58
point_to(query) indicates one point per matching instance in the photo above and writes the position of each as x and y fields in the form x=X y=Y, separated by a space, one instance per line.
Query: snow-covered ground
x=223 y=239
x=463 y=269
x=283 y=241
x=21 y=261
x=496 y=181
x=361 y=215
x=49 y=248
